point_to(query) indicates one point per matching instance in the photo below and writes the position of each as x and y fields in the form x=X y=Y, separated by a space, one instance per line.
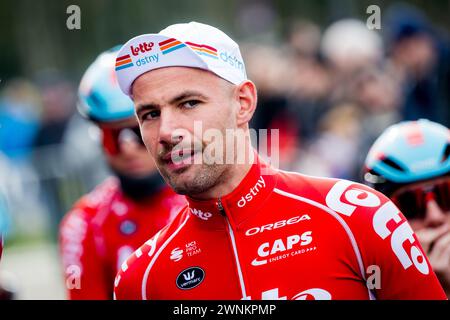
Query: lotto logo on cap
x=193 y=44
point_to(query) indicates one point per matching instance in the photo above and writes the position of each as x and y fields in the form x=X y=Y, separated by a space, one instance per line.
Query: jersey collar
x=243 y=202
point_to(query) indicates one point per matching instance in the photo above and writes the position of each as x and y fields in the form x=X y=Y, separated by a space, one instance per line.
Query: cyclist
x=250 y=231
x=113 y=220
x=410 y=164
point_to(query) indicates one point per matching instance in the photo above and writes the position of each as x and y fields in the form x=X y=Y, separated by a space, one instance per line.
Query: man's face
x=432 y=223
x=425 y=204
x=124 y=149
x=435 y=217
x=168 y=101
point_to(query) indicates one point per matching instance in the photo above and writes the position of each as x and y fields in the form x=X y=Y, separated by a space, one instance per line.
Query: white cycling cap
x=192 y=44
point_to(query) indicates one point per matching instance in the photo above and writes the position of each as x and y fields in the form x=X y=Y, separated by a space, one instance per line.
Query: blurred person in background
x=309 y=83
x=349 y=46
x=420 y=59
x=377 y=95
x=410 y=163
x=293 y=92
x=108 y=224
x=3 y=221
x=58 y=105
x=345 y=91
x=4 y=217
x=19 y=120
x=6 y=290
x=334 y=150
x=273 y=112
x=20 y=111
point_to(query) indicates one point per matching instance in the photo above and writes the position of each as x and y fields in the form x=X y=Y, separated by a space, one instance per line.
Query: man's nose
x=434 y=216
x=170 y=131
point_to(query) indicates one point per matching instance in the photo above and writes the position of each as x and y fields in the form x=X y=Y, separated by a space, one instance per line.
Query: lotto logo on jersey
x=283 y=248
x=310 y=294
x=199 y=213
x=346 y=197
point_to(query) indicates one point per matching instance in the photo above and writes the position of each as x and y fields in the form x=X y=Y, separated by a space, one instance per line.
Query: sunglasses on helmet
x=113 y=137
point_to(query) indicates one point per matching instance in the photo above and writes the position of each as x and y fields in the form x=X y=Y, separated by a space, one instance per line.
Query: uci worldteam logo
x=190 y=278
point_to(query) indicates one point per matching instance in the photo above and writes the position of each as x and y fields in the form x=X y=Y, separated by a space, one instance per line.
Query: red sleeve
x=129 y=279
x=83 y=265
x=394 y=261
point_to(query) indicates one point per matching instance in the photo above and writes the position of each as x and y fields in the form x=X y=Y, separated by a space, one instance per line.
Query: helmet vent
x=446 y=153
x=393 y=164
x=96 y=100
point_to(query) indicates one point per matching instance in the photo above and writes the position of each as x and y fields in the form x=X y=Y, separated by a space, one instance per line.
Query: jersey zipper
x=233 y=244
x=220 y=207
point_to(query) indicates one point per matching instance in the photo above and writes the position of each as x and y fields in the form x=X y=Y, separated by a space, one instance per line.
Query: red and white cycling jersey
x=283 y=236
x=103 y=229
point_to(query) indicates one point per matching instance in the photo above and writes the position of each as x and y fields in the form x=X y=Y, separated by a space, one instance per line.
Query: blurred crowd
x=49 y=155
x=330 y=92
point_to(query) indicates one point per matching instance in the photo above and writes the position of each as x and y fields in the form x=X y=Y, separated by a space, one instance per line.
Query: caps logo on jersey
x=283 y=248
x=190 y=278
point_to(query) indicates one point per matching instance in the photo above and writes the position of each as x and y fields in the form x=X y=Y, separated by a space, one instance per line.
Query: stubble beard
x=206 y=177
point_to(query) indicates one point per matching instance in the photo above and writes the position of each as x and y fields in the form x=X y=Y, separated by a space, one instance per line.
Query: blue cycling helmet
x=100 y=98
x=408 y=152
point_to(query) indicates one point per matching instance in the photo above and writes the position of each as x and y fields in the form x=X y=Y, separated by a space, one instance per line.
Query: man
x=108 y=224
x=250 y=231
x=410 y=164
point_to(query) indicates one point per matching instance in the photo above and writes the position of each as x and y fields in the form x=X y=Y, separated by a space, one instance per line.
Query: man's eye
x=190 y=104
x=151 y=115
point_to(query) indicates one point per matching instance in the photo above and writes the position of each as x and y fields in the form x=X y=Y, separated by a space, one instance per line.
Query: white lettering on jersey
x=272 y=295
x=277 y=225
x=355 y=197
x=152 y=244
x=252 y=193
x=122 y=255
x=313 y=294
x=310 y=294
x=73 y=235
x=400 y=235
x=281 y=245
x=202 y=215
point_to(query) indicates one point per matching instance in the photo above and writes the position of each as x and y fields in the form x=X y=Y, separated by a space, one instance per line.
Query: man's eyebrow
x=182 y=96
x=145 y=107
x=187 y=94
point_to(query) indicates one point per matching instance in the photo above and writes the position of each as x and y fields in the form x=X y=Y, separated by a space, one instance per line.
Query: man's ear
x=246 y=96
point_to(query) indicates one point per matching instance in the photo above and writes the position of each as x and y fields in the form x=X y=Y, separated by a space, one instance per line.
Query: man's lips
x=179 y=156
